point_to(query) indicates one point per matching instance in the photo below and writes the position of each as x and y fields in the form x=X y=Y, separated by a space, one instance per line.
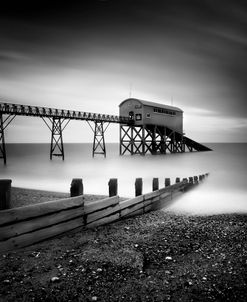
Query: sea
x=223 y=191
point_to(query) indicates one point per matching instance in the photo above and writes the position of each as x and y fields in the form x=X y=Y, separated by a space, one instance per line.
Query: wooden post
x=191 y=180
x=200 y=177
x=196 y=179
x=113 y=187
x=167 y=182
x=177 y=180
x=76 y=187
x=5 y=193
x=185 y=180
x=155 y=184
x=138 y=186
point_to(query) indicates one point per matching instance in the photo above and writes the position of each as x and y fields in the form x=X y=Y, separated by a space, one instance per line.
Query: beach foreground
x=160 y=256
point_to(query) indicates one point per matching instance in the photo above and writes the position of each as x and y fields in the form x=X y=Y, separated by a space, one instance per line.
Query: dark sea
x=224 y=191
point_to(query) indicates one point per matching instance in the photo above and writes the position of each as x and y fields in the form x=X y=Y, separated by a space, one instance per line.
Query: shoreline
x=159 y=256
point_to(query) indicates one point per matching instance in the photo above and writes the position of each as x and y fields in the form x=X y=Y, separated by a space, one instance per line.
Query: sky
x=91 y=55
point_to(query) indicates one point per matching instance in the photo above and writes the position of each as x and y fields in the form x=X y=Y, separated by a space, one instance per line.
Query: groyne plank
x=105 y=220
x=27 y=226
x=130 y=202
x=39 y=235
x=100 y=214
x=31 y=211
x=90 y=207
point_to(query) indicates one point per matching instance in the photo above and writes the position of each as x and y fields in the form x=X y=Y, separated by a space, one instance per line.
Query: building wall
x=150 y=117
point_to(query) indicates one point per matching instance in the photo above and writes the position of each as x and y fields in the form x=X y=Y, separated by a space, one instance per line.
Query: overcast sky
x=86 y=57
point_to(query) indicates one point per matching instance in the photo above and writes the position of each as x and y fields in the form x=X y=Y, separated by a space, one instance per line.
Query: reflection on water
x=223 y=191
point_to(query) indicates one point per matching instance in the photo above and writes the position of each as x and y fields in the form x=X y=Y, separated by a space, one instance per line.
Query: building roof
x=152 y=104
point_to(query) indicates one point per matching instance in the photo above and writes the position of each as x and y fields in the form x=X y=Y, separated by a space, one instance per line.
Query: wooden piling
x=167 y=182
x=113 y=187
x=195 y=179
x=76 y=187
x=138 y=186
x=5 y=193
x=200 y=177
x=191 y=180
x=185 y=180
x=177 y=180
x=155 y=184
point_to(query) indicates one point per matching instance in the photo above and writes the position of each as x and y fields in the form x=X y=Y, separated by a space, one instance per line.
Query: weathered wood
x=165 y=200
x=151 y=200
x=76 y=187
x=135 y=213
x=101 y=214
x=130 y=202
x=191 y=180
x=200 y=177
x=176 y=186
x=30 y=211
x=165 y=195
x=104 y=220
x=27 y=226
x=138 y=186
x=148 y=208
x=93 y=206
x=127 y=211
x=5 y=193
x=39 y=235
x=113 y=187
x=185 y=180
x=196 y=179
x=151 y=195
x=167 y=182
x=177 y=180
x=155 y=184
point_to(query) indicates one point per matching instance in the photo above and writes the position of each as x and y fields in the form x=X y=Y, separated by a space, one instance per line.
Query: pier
x=135 y=138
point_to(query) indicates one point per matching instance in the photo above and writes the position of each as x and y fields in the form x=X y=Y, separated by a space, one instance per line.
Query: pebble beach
x=159 y=256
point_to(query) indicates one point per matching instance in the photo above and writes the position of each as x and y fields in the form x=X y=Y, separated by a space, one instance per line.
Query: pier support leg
x=150 y=139
x=99 y=138
x=3 y=125
x=2 y=141
x=56 y=139
x=126 y=139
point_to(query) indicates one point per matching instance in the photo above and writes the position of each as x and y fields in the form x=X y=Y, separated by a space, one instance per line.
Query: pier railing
x=26 y=110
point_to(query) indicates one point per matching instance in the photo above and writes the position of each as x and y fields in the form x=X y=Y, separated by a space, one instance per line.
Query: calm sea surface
x=224 y=191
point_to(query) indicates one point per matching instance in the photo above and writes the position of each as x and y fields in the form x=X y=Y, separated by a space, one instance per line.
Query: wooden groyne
x=23 y=226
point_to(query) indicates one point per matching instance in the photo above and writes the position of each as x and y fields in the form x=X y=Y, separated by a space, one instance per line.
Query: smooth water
x=224 y=191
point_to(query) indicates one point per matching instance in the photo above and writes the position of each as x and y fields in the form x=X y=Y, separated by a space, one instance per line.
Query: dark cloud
x=192 y=40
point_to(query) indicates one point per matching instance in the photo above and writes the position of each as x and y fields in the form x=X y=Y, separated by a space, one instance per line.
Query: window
x=138 y=117
x=131 y=115
x=163 y=111
x=148 y=115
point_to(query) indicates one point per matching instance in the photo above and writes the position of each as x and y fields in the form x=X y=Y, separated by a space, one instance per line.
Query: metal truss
x=99 y=138
x=150 y=139
x=56 y=128
x=3 y=125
